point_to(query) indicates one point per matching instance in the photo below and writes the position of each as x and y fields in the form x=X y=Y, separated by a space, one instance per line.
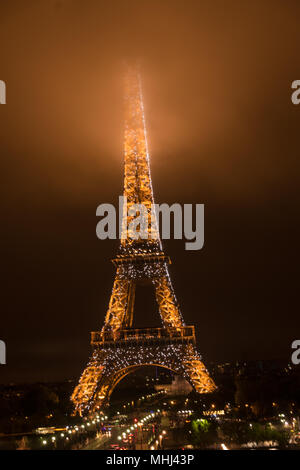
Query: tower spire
x=137 y=175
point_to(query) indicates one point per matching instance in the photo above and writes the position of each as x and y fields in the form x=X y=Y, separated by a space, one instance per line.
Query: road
x=140 y=432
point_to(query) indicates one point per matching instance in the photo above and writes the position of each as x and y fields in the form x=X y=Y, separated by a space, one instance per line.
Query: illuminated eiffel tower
x=118 y=349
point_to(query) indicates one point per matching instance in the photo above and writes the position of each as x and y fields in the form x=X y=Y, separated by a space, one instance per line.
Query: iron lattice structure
x=118 y=349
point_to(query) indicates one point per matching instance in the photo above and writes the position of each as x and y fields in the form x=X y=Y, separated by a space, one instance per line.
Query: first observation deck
x=151 y=336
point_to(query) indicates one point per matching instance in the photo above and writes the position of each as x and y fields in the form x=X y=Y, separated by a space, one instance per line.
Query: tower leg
x=88 y=384
x=167 y=303
x=120 y=309
x=196 y=372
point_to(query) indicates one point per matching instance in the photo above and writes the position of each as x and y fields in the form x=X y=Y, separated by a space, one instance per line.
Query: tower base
x=111 y=362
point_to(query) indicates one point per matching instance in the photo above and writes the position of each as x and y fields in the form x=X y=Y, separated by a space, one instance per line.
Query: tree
x=203 y=433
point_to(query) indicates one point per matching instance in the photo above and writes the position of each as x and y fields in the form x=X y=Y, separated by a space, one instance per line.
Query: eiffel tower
x=119 y=349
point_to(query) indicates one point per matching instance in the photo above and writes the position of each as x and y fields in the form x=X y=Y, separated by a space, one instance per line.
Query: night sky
x=222 y=131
